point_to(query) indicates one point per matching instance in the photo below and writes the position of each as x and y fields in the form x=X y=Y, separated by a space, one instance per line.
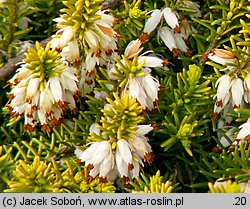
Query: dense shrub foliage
x=125 y=96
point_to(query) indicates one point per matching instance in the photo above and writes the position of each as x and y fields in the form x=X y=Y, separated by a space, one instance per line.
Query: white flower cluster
x=42 y=94
x=173 y=34
x=123 y=160
x=140 y=84
x=95 y=40
x=233 y=91
x=230 y=89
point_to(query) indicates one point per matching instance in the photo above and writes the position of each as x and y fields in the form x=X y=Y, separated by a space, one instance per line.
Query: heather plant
x=124 y=96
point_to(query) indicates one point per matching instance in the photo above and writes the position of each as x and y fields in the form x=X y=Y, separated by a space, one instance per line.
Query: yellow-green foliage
x=42 y=177
x=225 y=187
x=152 y=184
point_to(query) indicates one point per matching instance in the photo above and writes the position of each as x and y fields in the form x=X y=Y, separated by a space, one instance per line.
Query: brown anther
x=77 y=95
x=155 y=126
x=166 y=62
x=78 y=161
x=109 y=52
x=128 y=186
x=130 y=166
x=62 y=105
x=89 y=82
x=236 y=107
x=216 y=149
x=9 y=108
x=90 y=178
x=177 y=29
x=117 y=36
x=46 y=128
x=156 y=103
x=77 y=62
x=106 y=12
x=247 y=138
x=145 y=111
x=90 y=167
x=188 y=53
x=214 y=116
x=59 y=50
x=49 y=114
x=102 y=180
x=29 y=115
x=28 y=127
x=56 y=27
x=143 y=37
x=237 y=141
x=117 y=21
x=185 y=22
x=162 y=89
x=11 y=96
x=124 y=179
x=117 y=50
x=176 y=52
x=98 y=53
x=204 y=56
x=70 y=154
x=149 y=157
x=231 y=148
x=54 y=121
x=155 y=110
x=219 y=103
x=34 y=107
x=74 y=111
x=29 y=100
x=16 y=81
x=14 y=114
x=234 y=136
x=90 y=73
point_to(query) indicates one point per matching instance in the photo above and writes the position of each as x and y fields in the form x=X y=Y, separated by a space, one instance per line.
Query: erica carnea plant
x=124 y=96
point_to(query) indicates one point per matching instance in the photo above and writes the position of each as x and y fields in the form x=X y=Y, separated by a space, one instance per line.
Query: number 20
x=240 y=201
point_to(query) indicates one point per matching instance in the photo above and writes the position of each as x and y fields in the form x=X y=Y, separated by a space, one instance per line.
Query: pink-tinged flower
x=99 y=157
x=135 y=89
x=133 y=49
x=228 y=138
x=223 y=93
x=67 y=35
x=247 y=88
x=144 y=88
x=167 y=37
x=153 y=21
x=139 y=143
x=222 y=56
x=180 y=43
x=151 y=61
x=71 y=52
x=171 y=18
x=123 y=157
x=244 y=133
x=237 y=91
x=194 y=6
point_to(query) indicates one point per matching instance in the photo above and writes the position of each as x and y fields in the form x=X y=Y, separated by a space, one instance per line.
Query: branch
x=11 y=66
x=111 y=4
